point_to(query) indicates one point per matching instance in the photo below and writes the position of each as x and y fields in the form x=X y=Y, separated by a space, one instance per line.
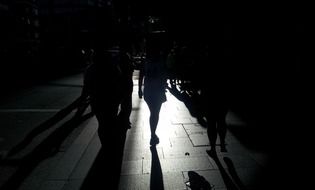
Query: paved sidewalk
x=182 y=149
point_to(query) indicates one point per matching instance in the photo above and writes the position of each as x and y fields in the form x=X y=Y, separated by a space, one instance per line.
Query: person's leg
x=222 y=129
x=112 y=137
x=107 y=122
x=212 y=133
x=154 y=119
x=125 y=110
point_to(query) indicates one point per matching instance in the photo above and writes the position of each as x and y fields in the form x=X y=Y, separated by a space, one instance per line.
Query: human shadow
x=47 y=148
x=81 y=103
x=192 y=101
x=230 y=185
x=233 y=173
x=109 y=161
x=197 y=182
x=156 y=180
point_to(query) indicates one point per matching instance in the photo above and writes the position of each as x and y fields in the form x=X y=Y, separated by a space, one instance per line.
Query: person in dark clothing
x=214 y=98
x=104 y=83
x=154 y=81
x=127 y=68
x=209 y=78
x=216 y=111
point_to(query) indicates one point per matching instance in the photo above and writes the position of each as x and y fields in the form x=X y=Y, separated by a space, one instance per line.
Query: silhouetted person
x=214 y=96
x=127 y=68
x=171 y=64
x=216 y=112
x=104 y=83
x=154 y=80
x=140 y=80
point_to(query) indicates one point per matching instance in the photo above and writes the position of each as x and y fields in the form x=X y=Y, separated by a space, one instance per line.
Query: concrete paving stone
x=52 y=185
x=180 y=152
x=88 y=133
x=6 y=172
x=168 y=131
x=164 y=121
x=133 y=155
x=134 y=182
x=40 y=173
x=180 y=113
x=173 y=181
x=66 y=96
x=23 y=122
x=179 y=131
x=181 y=106
x=179 y=164
x=73 y=184
x=178 y=120
x=182 y=141
x=33 y=183
x=136 y=125
x=132 y=167
x=164 y=142
x=194 y=129
x=67 y=164
x=87 y=159
x=136 y=129
x=239 y=161
x=40 y=98
x=74 y=134
x=72 y=156
x=141 y=154
x=199 y=139
x=134 y=143
x=75 y=79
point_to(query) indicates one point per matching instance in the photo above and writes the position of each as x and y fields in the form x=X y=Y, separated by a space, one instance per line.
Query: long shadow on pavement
x=80 y=103
x=230 y=185
x=156 y=180
x=47 y=148
x=106 y=169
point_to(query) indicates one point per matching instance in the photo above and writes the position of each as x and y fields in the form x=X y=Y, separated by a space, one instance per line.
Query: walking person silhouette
x=127 y=68
x=214 y=98
x=104 y=84
x=154 y=84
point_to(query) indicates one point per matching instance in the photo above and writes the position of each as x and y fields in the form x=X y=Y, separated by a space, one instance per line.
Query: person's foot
x=154 y=140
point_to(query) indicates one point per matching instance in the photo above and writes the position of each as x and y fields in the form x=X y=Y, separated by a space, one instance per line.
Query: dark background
x=262 y=47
